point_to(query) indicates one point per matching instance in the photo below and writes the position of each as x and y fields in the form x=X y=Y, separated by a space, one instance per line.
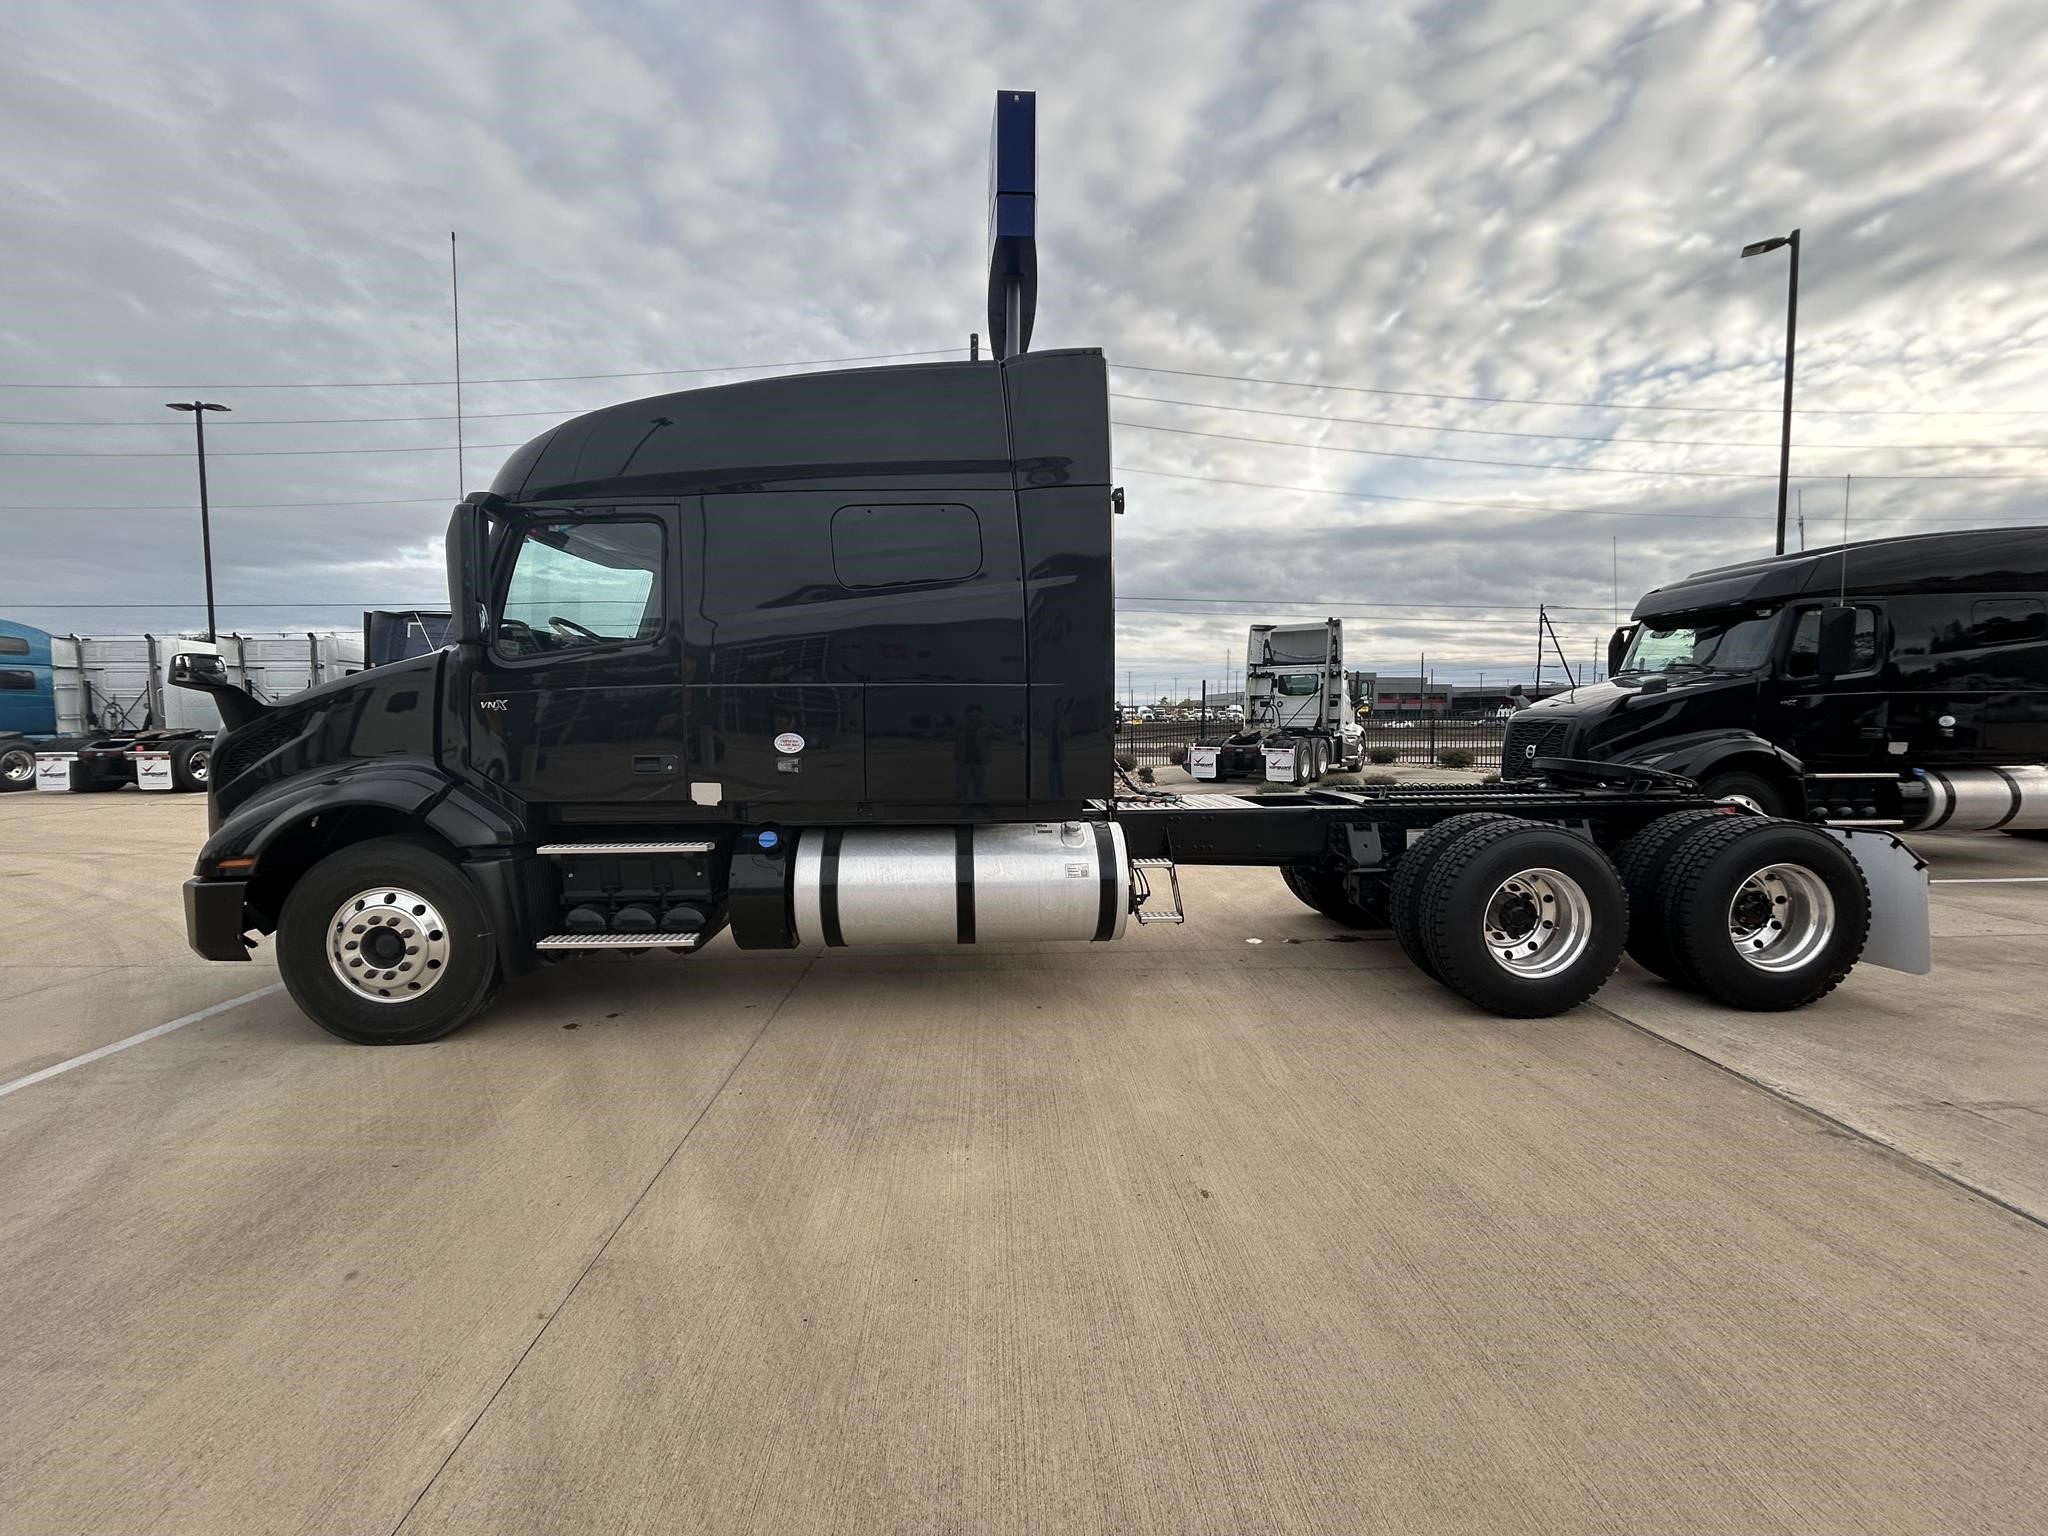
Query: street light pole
x=1791 y=338
x=198 y=409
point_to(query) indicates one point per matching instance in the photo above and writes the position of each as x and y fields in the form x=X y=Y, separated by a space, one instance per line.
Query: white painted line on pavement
x=1992 y=880
x=148 y=1034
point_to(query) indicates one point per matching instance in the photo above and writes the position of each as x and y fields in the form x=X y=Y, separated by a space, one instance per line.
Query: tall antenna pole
x=455 y=303
x=1538 y=687
x=1842 y=597
x=1801 y=493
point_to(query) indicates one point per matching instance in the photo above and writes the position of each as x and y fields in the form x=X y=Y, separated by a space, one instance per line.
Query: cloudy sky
x=1426 y=210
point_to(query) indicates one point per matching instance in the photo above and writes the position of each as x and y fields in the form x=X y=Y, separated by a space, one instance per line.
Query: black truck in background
x=1896 y=682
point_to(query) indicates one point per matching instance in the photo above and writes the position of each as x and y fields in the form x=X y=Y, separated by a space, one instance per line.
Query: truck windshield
x=1738 y=641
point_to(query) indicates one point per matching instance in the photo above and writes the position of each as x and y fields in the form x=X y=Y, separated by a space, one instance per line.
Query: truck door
x=578 y=699
x=774 y=684
x=1837 y=723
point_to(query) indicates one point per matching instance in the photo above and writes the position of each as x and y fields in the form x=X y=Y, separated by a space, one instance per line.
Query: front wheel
x=1753 y=791
x=385 y=943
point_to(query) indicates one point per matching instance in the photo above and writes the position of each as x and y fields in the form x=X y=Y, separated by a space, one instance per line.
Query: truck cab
x=1771 y=680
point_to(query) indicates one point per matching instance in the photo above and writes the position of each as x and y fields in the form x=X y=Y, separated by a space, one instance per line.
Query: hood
x=387 y=711
x=1603 y=697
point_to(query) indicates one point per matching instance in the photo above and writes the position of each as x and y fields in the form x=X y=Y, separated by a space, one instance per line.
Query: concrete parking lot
x=1187 y=1233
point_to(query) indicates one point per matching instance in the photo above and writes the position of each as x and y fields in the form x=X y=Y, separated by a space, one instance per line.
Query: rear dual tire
x=1760 y=915
x=1523 y=919
x=17 y=769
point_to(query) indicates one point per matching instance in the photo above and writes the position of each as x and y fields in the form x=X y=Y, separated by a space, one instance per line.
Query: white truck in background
x=86 y=714
x=1300 y=720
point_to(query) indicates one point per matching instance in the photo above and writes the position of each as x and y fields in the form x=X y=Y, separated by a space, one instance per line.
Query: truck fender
x=1700 y=753
x=410 y=789
x=385 y=796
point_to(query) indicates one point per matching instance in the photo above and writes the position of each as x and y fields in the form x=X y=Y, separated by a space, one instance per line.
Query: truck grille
x=236 y=752
x=1527 y=740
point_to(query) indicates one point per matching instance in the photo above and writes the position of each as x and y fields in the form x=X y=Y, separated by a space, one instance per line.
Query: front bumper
x=213 y=918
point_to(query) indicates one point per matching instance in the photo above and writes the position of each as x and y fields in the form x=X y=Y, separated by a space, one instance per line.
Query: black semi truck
x=1896 y=682
x=828 y=660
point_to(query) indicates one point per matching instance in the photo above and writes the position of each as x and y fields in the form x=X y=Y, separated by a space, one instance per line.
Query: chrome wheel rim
x=199 y=764
x=1537 y=923
x=388 y=945
x=1781 y=917
x=1747 y=802
x=18 y=767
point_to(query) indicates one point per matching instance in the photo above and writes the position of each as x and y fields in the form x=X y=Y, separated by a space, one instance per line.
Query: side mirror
x=205 y=672
x=201 y=670
x=1617 y=647
x=466 y=542
x=1836 y=644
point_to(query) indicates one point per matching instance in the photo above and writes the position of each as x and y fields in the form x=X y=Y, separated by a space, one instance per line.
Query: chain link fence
x=1417 y=741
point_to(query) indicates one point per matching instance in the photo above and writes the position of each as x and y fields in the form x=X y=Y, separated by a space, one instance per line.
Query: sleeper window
x=905 y=546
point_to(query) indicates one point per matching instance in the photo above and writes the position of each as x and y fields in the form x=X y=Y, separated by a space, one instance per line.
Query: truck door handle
x=654 y=762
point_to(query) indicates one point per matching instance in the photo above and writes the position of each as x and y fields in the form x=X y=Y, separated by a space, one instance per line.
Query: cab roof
x=1039 y=419
x=1979 y=560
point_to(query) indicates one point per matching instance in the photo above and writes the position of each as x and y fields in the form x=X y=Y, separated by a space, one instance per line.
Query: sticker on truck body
x=789 y=742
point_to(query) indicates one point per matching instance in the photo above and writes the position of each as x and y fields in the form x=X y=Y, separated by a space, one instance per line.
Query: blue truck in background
x=97 y=713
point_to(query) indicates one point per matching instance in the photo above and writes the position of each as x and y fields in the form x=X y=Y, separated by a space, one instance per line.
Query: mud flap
x=1901 y=937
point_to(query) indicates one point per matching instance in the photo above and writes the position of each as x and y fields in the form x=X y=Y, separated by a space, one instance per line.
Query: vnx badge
x=491 y=704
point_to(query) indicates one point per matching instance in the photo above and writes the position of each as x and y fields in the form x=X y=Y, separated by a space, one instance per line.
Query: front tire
x=386 y=943
x=1765 y=796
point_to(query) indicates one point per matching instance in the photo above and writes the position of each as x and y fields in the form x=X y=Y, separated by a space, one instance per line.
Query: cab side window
x=1803 y=659
x=2007 y=620
x=580 y=584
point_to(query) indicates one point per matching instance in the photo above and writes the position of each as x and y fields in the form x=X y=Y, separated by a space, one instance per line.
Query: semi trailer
x=1899 y=683
x=827 y=660
x=1300 y=720
x=97 y=713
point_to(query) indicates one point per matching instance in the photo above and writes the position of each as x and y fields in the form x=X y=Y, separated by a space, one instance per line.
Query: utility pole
x=1791 y=337
x=1802 y=518
x=198 y=410
x=1537 y=687
x=455 y=304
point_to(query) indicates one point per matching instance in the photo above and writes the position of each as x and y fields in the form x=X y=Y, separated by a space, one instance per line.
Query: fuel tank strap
x=828 y=889
x=963 y=883
x=1109 y=879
